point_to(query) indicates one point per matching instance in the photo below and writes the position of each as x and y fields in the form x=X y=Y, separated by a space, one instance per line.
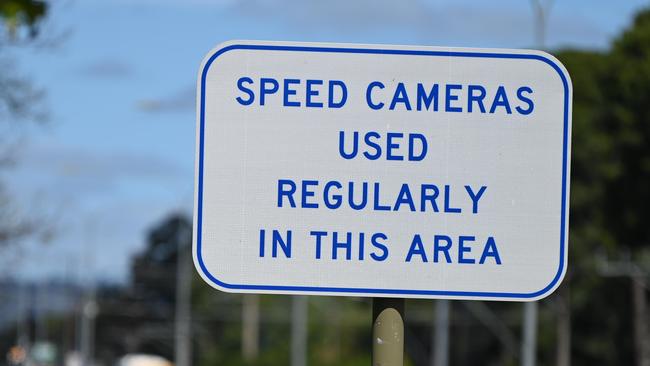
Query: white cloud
x=180 y=101
x=69 y=173
x=107 y=68
x=104 y=203
x=459 y=23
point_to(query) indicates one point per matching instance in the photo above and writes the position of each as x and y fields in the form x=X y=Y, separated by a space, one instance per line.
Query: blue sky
x=117 y=153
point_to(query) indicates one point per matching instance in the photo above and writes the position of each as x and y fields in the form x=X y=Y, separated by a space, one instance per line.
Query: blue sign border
x=373 y=291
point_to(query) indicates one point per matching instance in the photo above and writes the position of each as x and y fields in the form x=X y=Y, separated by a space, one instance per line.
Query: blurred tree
x=610 y=191
x=17 y=94
x=140 y=318
x=627 y=88
x=19 y=100
x=22 y=13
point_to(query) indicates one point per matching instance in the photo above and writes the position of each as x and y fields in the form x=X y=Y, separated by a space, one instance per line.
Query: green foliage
x=18 y=13
x=628 y=89
x=611 y=131
x=610 y=189
x=338 y=328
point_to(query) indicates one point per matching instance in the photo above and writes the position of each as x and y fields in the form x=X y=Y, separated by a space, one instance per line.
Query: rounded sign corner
x=559 y=68
x=205 y=274
x=551 y=287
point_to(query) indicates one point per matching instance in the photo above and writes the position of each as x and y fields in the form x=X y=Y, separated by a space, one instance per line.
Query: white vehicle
x=143 y=360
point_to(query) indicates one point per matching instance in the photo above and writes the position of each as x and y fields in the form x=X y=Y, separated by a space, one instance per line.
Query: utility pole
x=89 y=308
x=529 y=344
x=639 y=287
x=563 y=305
x=183 y=327
x=541 y=11
x=440 y=339
x=299 y=315
x=24 y=305
x=639 y=281
x=89 y=312
x=250 y=327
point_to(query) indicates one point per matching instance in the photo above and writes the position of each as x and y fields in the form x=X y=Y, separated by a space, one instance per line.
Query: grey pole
x=541 y=10
x=563 y=327
x=627 y=267
x=528 y=346
x=387 y=332
x=250 y=327
x=641 y=340
x=182 y=316
x=23 y=306
x=88 y=313
x=440 y=341
x=299 y=331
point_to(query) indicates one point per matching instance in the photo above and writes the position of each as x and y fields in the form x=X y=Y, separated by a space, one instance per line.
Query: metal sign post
x=387 y=331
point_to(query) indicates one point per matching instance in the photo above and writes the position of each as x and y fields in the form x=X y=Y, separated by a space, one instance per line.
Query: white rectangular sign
x=371 y=170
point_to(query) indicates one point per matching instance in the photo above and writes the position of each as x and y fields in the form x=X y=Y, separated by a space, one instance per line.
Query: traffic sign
x=372 y=170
